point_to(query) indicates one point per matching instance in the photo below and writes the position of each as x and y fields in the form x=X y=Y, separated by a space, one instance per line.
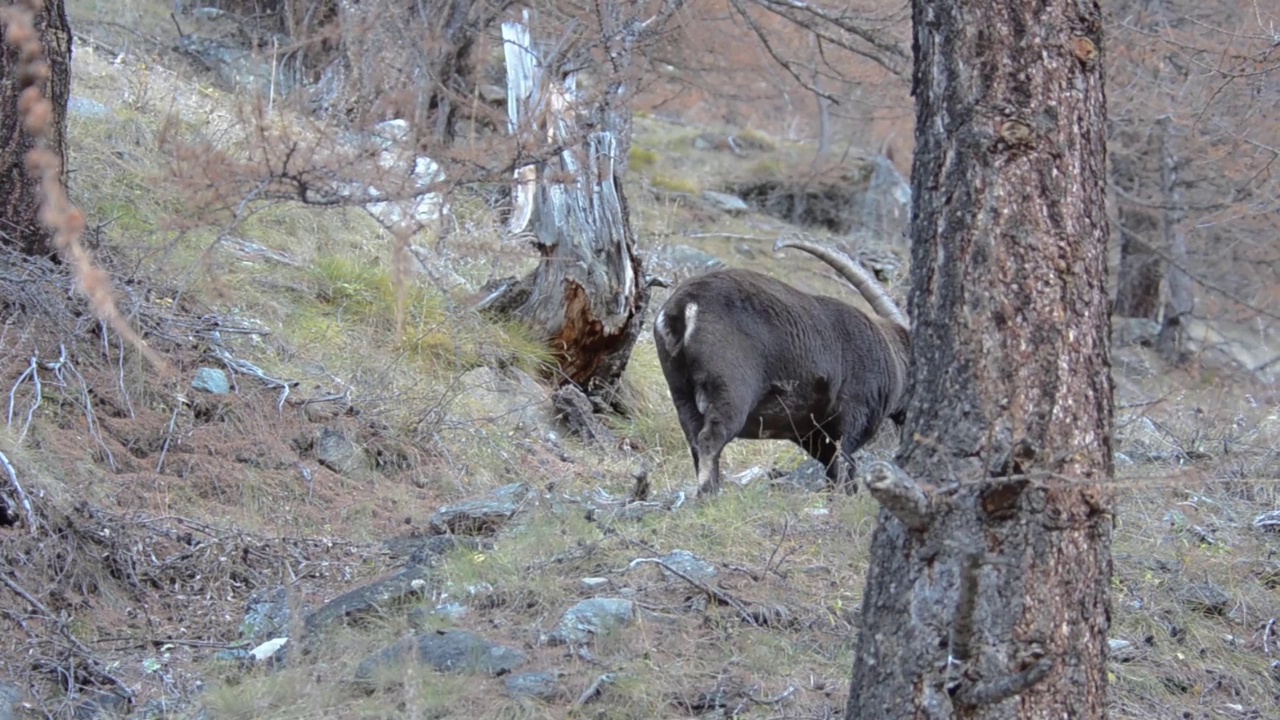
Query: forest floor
x=165 y=521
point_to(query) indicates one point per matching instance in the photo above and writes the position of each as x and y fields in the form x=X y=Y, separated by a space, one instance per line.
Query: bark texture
x=587 y=295
x=20 y=226
x=987 y=595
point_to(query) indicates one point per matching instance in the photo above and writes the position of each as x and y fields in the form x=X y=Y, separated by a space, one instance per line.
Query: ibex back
x=748 y=356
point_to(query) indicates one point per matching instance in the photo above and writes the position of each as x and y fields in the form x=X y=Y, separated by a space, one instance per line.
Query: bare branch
x=899 y=494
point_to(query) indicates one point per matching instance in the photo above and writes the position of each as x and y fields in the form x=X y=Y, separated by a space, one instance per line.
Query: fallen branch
x=17 y=487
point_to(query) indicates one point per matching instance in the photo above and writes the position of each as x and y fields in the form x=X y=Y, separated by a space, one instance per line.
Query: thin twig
x=91 y=419
x=14 y=390
x=168 y=438
x=717 y=595
x=22 y=496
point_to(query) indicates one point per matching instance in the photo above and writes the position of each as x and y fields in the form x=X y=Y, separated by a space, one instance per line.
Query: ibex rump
x=747 y=356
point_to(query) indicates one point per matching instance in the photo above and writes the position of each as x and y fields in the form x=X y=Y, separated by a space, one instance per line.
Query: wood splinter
x=899 y=494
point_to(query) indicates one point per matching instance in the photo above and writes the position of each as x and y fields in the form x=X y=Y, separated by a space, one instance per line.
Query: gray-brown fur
x=765 y=360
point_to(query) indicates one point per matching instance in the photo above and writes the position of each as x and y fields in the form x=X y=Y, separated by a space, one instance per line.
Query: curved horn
x=864 y=281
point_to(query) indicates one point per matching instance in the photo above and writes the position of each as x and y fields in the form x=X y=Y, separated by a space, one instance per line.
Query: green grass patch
x=668 y=183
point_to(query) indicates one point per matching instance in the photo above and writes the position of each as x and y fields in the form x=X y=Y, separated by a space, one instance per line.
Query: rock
x=541 y=685
x=1268 y=521
x=84 y=107
x=1126 y=331
x=724 y=202
x=1122 y=650
x=594 y=583
x=235 y=66
x=453 y=651
x=1206 y=598
x=268 y=649
x=578 y=415
x=375 y=598
x=684 y=257
x=481 y=516
x=100 y=705
x=508 y=401
x=335 y=451
x=10 y=697
x=427 y=551
x=266 y=615
x=686 y=563
x=592 y=617
x=211 y=380
x=810 y=476
x=235 y=655
x=159 y=709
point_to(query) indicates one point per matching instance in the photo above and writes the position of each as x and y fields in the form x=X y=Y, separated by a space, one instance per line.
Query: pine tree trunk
x=20 y=226
x=990 y=564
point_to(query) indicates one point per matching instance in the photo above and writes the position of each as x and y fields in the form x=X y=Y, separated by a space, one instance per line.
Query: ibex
x=747 y=356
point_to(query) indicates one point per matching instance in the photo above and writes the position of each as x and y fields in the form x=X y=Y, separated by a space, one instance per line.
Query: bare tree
x=20 y=226
x=987 y=593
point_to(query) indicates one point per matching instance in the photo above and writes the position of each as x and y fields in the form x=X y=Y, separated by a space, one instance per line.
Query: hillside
x=305 y=475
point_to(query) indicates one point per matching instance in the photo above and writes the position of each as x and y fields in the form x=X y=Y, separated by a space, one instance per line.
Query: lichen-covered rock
x=592 y=618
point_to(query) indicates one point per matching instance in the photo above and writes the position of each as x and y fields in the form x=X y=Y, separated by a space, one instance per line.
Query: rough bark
x=20 y=226
x=987 y=592
x=587 y=295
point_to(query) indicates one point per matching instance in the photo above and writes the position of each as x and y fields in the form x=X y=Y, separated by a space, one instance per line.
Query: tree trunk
x=1172 y=333
x=587 y=295
x=987 y=592
x=1141 y=270
x=20 y=226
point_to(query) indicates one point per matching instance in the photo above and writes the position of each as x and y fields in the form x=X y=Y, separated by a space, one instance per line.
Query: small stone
x=594 y=583
x=1206 y=598
x=1121 y=650
x=10 y=697
x=211 y=380
x=592 y=618
x=454 y=651
x=84 y=107
x=335 y=451
x=541 y=685
x=1268 y=521
x=268 y=648
x=810 y=476
x=689 y=564
x=483 y=515
x=724 y=202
